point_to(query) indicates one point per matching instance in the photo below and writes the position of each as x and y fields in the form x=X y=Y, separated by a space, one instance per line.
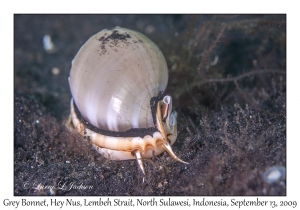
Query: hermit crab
x=117 y=80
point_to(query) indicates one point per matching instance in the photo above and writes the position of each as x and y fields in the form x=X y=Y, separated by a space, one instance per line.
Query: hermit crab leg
x=139 y=160
x=159 y=122
x=160 y=127
x=172 y=154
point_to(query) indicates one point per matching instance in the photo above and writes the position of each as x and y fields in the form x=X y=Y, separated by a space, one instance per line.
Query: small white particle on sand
x=55 y=71
x=49 y=46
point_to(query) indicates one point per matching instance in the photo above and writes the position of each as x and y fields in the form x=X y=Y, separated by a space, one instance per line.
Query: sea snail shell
x=117 y=80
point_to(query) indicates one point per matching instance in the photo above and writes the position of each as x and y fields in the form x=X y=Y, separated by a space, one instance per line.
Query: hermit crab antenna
x=170 y=151
x=139 y=160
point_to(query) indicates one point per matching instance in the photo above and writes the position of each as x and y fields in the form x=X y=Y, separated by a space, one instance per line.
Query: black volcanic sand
x=230 y=132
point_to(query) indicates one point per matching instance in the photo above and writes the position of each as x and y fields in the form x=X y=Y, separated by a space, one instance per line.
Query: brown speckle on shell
x=113 y=40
